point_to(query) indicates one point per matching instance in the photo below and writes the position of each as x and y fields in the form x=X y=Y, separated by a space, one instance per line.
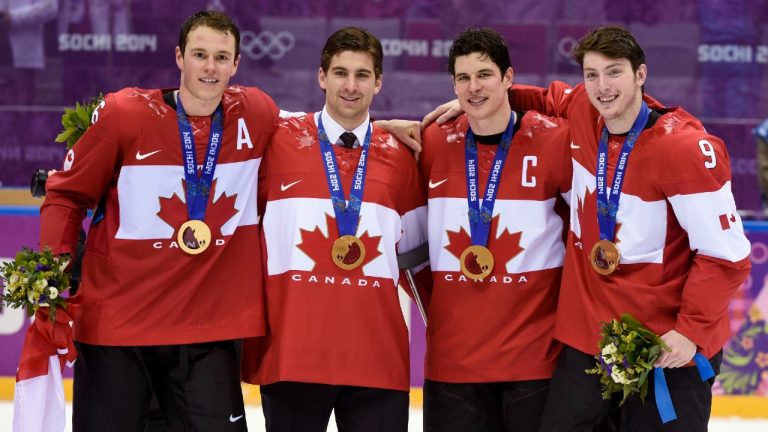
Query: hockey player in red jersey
x=680 y=242
x=496 y=266
x=168 y=281
x=340 y=198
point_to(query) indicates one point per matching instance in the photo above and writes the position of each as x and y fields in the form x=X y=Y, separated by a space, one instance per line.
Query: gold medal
x=476 y=262
x=194 y=237
x=348 y=252
x=604 y=257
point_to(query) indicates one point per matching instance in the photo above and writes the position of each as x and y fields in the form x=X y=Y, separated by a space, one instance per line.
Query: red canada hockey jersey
x=683 y=249
x=328 y=325
x=501 y=328
x=138 y=287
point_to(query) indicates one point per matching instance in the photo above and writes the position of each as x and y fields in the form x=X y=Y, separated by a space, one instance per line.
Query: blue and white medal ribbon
x=348 y=252
x=477 y=260
x=604 y=255
x=194 y=236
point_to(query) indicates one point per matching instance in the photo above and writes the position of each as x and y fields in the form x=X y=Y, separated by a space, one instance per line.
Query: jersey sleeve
x=698 y=187
x=89 y=168
x=552 y=101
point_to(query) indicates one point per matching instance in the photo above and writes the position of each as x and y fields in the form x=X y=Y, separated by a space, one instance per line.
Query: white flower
x=620 y=376
x=617 y=375
x=53 y=292
x=14 y=279
x=608 y=359
x=609 y=349
x=40 y=285
x=33 y=296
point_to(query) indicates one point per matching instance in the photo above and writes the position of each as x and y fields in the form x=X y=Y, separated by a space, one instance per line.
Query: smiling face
x=614 y=89
x=206 y=65
x=349 y=83
x=482 y=91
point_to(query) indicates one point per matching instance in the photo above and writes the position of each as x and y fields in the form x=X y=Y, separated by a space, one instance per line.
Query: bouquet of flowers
x=34 y=280
x=628 y=351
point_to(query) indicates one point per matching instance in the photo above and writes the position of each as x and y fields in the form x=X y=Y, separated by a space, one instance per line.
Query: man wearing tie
x=338 y=202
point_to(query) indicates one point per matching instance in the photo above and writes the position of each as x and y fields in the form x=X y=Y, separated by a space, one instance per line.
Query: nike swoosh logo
x=436 y=184
x=285 y=187
x=574 y=146
x=140 y=156
x=233 y=419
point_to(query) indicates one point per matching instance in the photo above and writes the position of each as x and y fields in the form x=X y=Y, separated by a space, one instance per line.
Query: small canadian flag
x=726 y=220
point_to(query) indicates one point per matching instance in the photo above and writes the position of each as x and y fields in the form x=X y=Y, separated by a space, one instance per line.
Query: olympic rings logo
x=565 y=48
x=266 y=44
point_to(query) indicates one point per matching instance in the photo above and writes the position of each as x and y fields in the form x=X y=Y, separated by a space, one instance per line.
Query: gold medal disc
x=194 y=237
x=476 y=262
x=348 y=252
x=604 y=257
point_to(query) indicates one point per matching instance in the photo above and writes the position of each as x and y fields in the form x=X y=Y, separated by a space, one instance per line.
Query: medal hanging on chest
x=476 y=262
x=347 y=252
x=605 y=255
x=194 y=236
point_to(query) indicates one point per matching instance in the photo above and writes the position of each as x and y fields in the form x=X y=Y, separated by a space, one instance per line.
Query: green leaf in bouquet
x=64 y=135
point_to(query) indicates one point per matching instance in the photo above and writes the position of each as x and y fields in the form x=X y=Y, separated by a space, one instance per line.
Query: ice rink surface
x=256 y=421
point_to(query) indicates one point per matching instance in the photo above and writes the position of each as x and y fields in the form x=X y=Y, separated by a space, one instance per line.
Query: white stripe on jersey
x=643 y=223
x=642 y=235
x=541 y=230
x=699 y=214
x=139 y=188
x=283 y=220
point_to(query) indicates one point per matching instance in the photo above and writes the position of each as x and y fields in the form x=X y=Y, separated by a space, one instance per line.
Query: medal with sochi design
x=194 y=236
x=605 y=255
x=476 y=262
x=348 y=251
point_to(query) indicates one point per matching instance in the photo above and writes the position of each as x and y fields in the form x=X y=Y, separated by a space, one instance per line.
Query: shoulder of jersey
x=296 y=123
x=449 y=130
x=134 y=100
x=676 y=128
x=236 y=97
x=537 y=121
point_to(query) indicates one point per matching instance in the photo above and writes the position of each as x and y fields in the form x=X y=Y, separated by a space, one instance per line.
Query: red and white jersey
x=138 y=287
x=328 y=325
x=500 y=328
x=682 y=244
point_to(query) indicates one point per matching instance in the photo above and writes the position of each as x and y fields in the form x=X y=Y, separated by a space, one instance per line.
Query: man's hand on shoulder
x=407 y=132
x=681 y=351
x=443 y=113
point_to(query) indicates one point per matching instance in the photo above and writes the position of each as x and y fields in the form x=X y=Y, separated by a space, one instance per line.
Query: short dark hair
x=613 y=42
x=485 y=41
x=352 y=39
x=215 y=20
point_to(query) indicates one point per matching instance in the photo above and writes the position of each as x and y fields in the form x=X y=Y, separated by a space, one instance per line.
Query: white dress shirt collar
x=334 y=130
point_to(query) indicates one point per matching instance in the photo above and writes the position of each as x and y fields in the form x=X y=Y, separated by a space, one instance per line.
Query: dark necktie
x=349 y=139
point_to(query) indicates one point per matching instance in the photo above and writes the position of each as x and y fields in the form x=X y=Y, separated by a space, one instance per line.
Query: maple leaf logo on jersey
x=587 y=213
x=173 y=210
x=318 y=247
x=505 y=247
